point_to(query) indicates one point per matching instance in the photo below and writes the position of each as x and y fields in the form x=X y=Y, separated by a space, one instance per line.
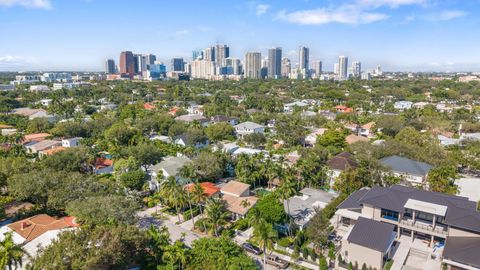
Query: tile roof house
x=35 y=147
x=103 y=165
x=37 y=231
x=352 y=138
x=34 y=113
x=35 y=137
x=245 y=128
x=209 y=188
x=237 y=197
x=338 y=164
x=412 y=171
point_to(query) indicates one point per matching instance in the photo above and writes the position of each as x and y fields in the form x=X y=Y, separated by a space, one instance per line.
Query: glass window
x=387 y=214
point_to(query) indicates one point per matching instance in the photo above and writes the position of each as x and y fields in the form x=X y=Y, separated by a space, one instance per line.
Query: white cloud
x=181 y=33
x=262 y=9
x=11 y=62
x=347 y=14
x=390 y=3
x=43 y=4
x=449 y=15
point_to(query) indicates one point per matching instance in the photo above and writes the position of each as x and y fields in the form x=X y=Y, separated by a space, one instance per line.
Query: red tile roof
x=209 y=188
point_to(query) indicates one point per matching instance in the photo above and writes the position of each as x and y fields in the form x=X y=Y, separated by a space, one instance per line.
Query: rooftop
x=235 y=188
x=372 y=234
x=33 y=227
x=171 y=165
x=342 y=162
x=406 y=165
x=464 y=250
x=301 y=208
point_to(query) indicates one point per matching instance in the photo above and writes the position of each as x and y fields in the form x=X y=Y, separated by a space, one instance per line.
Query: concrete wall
x=355 y=253
x=371 y=212
x=461 y=233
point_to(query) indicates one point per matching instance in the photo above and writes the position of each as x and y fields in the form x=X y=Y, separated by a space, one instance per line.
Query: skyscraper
x=286 y=67
x=127 y=63
x=202 y=69
x=221 y=52
x=253 y=65
x=356 y=69
x=343 y=67
x=110 y=66
x=149 y=59
x=274 y=62
x=197 y=55
x=209 y=54
x=233 y=66
x=303 y=58
x=177 y=64
x=317 y=66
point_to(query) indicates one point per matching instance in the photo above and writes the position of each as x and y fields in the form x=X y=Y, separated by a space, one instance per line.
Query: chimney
x=24 y=225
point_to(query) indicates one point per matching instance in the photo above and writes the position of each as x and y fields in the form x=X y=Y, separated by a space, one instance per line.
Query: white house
x=414 y=172
x=71 y=142
x=246 y=128
x=403 y=105
x=169 y=166
x=289 y=107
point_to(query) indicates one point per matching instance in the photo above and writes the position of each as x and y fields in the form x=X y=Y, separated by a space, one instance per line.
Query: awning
x=431 y=208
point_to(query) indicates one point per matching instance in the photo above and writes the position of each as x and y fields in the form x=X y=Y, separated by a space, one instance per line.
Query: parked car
x=277 y=262
x=251 y=248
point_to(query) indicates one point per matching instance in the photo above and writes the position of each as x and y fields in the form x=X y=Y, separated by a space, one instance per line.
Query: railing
x=409 y=222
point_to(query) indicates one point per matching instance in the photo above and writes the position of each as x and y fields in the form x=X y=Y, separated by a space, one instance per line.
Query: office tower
x=336 y=69
x=317 y=66
x=356 y=69
x=378 y=71
x=188 y=68
x=286 y=67
x=177 y=64
x=197 y=55
x=110 y=66
x=202 y=69
x=303 y=57
x=149 y=59
x=138 y=62
x=253 y=65
x=343 y=67
x=221 y=52
x=209 y=54
x=127 y=63
x=274 y=63
x=232 y=66
x=157 y=70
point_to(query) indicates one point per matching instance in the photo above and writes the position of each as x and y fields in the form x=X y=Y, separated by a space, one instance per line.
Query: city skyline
x=399 y=35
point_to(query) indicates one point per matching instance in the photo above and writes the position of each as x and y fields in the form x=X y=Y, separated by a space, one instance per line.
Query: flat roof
x=431 y=208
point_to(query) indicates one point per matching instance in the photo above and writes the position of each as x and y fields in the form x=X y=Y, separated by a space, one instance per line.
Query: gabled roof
x=406 y=165
x=353 y=201
x=209 y=188
x=465 y=250
x=248 y=125
x=235 y=188
x=342 y=162
x=171 y=165
x=372 y=234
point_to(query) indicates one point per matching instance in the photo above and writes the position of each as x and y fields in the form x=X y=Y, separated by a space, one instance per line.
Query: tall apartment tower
x=303 y=57
x=286 y=67
x=343 y=67
x=221 y=52
x=209 y=54
x=177 y=64
x=275 y=63
x=317 y=66
x=127 y=63
x=110 y=66
x=253 y=65
x=356 y=68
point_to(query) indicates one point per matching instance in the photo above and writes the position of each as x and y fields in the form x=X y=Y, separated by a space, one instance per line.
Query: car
x=251 y=248
x=277 y=262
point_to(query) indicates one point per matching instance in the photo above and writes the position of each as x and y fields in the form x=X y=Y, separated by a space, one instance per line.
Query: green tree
x=442 y=179
x=255 y=139
x=318 y=229
x=332 y=138
x=271 y=208
x=264 y=235
x=215 y=215
x=133 y=179
x=10 y=253
x=176 y=254
x=173 y=194
x=220 y=131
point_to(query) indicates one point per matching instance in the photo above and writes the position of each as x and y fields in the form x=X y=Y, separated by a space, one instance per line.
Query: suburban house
x=290 y=107
x=311 y=139
x=158 y=137
x=343 y=109
x=51 y=151
x=35 y=147
x=195 y=109
x=71 y=142
x=302 y=207
x=169 y=166
x=34 y=113
x=246 y=128
x=36 y=232
x=366 y=130
x=224 y=119
x=403 y=105
x=444 y=225
x=184 y=140
x=237 y=198
x=209 y=188
x=412 y=171
x=190 y=118
x=103 y=166
x=338 y=164
x=368 y=242
x=352 y=138
x=35 y=137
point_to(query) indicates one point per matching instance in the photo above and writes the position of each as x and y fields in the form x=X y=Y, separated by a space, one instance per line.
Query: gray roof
x=372 y=234
x=461 y=212
x=406 y=165
x=248 y=125
x=352 y=202
x=171 y=165
x=301 y=207
x=465 y=250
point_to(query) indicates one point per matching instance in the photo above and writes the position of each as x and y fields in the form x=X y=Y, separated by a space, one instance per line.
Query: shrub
x=195 y=211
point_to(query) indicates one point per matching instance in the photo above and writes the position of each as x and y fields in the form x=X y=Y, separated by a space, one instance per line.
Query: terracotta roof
x=354 y=138
x=235 y=188
x=209 y=188
x=52 y=151
x=36 y=137
x=103 y=162
x=236 y=205
x=369 y=125
x=5 y=126
x=148 y=106
x=33 y=227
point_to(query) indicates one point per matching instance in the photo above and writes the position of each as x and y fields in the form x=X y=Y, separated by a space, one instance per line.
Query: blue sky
x=410 y=35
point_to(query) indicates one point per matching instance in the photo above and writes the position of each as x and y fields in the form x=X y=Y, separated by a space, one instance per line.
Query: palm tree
x=216 y=215
x=255 y=217
x=264 y=235
x=176 y=253
x=174 y=194
x=10 y=253
x=198 y=197
x=286 y=191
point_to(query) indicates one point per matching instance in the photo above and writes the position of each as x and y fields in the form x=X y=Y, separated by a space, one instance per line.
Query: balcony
x=428 y=227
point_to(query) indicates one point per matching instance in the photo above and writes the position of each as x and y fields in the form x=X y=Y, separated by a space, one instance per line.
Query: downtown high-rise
x=221 y=53
x=303 y=57
x=110 y=66
x=127 y=63
x=253 y=65
x=343 y=67
x=274 y=63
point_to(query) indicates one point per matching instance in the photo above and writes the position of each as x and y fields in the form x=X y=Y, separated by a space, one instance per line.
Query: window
x=388 y=214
